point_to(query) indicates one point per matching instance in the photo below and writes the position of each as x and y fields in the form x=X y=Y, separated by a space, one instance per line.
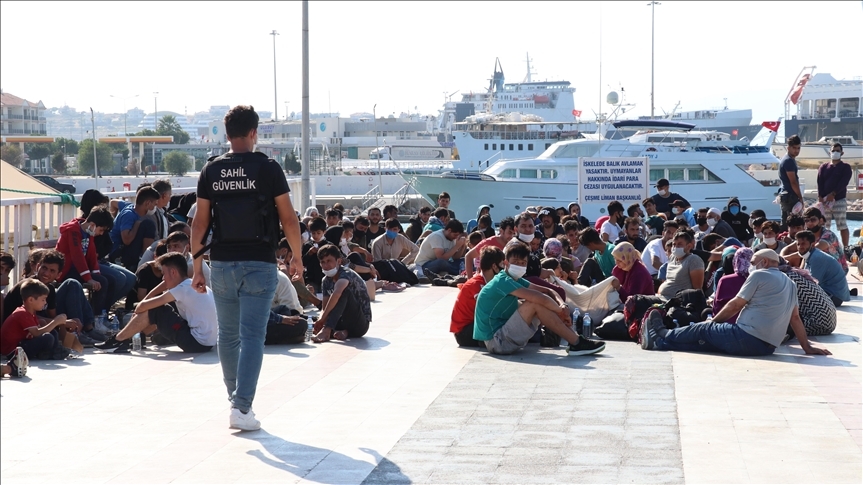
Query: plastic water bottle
x=587 y=331
x=575 y=314
x=310 y=332
x=136 y=342
x=115 y=325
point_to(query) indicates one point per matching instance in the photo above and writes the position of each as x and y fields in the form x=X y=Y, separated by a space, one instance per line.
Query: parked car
x=54 y=184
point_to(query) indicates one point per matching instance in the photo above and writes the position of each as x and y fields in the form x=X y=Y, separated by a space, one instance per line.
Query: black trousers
x=464 y=338
x=347 y=314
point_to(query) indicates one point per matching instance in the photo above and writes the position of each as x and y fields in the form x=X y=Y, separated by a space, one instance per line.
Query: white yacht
x=706 y=167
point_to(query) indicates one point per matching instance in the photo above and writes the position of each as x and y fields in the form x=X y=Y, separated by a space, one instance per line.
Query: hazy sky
x=402 y=55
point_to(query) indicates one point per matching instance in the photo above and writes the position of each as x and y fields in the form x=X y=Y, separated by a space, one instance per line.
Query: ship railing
x=407 y=191
x=372 y=196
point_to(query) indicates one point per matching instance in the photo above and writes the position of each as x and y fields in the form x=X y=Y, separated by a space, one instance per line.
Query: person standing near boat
x=833 y=178
x=664 y=198
x=790 y=194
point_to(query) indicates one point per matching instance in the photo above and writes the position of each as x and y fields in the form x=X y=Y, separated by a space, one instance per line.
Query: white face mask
x=663 y=192
x=711 y=222
x=676 y=210
x=526 y=237
x=758 y=235
x=770 y=241
x=805 y=255
x=835 y=155
x=151 y=211
x=343 y=242
x=90 y=230
x=679 y=252
x=517 y=271
x=329 y=273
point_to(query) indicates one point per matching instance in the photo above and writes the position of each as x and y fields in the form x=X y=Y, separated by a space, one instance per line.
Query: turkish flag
x=795 y=96
x=771 y=125
x=576 y=112
x=734 y=132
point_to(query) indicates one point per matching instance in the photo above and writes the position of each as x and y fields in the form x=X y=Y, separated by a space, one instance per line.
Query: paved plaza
x=405 y=405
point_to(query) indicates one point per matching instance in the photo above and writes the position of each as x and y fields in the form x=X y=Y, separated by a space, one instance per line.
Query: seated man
x=393 y=245
x=192 y=327
x=305 y=295
x=149 y=275
x=769 y=231
x=506 y=232
x=789 y=253
x=311 y=263
x=23 y=329
x=76 y=243
x=601 y=263
x=823 y=268
x=441 y=250
x=631 y=233
x=149 y=254
x=285 y=315
x=132 y=233
x=436 y=222
x=505 y=325
x=827 y=240
x=461 y=321
x=685 y=270
x=415 y=229
x=654 y=255
x=347 y=307
x=767 y=302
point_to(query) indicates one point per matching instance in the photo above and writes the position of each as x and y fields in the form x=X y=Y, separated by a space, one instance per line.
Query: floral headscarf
x=626 y=252
x=742 y=261
x=553 y=248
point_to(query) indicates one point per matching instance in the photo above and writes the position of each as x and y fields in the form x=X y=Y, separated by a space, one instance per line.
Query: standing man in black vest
x=245 y=195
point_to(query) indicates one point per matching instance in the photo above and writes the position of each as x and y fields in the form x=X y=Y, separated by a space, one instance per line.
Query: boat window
x=530 y=146
x=656 y=174
x=494 y=146
x=486 y=146
x=510 y=146
x=695 y=174
x=575 y=150
x=712 y=177
x=675 y=174
x=508 y=173
x=527 y=173
x=520 y=146
x=548 y=174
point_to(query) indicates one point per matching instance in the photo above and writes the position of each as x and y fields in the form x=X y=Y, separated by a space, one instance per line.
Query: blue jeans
x=120 y=279
x=243 y=291
x=714 y=337
x=441 y=265
x=72 y=302
x=99 y=299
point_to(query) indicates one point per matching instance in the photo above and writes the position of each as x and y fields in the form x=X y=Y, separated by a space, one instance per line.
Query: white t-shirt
x=612 y=229
x=654 y=248
x=434 y=240
x=286 y=294
x=191 y=215
x=199 y=311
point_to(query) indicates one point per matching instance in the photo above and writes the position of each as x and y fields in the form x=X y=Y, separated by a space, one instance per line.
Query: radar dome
x=612 y=98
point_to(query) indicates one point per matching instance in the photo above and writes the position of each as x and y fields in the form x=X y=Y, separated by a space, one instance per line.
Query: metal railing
x=371 y=196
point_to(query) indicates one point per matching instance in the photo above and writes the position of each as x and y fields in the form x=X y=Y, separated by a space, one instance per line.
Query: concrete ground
x=405 y=405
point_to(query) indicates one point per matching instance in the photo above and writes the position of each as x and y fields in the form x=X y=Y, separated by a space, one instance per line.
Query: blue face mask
x=734 y=210
x=391 y=234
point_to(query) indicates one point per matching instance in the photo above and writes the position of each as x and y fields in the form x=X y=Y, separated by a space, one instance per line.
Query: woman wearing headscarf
x=631 y=272
x=731 y=282
x=816 y=308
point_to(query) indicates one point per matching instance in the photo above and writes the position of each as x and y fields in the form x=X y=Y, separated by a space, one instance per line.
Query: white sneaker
x=245 y=422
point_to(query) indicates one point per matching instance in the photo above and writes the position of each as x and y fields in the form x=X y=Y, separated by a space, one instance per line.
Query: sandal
x=391 y=286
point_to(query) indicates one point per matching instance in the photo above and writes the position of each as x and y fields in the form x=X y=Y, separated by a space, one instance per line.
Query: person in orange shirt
x=461 y=323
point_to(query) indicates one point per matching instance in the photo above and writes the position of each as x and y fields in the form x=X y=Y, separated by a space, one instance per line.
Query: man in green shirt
x=600 y=265
x=505 y=325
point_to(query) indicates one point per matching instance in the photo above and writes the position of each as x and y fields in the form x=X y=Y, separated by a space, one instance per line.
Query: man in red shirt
x=76 y=244
x=22 y=328
x=506 y=233
x=461 y=324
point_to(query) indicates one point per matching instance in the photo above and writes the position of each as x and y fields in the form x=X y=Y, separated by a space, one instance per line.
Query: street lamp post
x=378 y=149
x=275 y=96
x=95 y=160
x=155 y=128
x=125 y=114
x=652 y=29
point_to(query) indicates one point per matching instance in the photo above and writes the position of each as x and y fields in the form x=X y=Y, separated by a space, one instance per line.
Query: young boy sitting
x=22 y=328
x=192 y=327
x=347 y=307
x=305 y=293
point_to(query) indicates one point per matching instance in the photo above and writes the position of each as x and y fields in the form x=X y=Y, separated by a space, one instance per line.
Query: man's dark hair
x=328 y=250
x=564 y=241
x=392 y=223
x=33 y=288
x=100 y=216
x=773 y=226
x=347 y=225
x=837 y=145
x=443 y=195
x=374 y=209
x=686 y=235
x=759 y=221
x=703 y=211
x=178 y=236
x=490 y=257
x=475 y=237
x=90 y=199
x=648 y=200
x=362 y=220
x=174 y=260
x=146 y=194
x=163 y=186
x=177 y=226
x=333 y=213
x=667 y=224
x=426 y=210
x=507 y=222
x=524 y=216
x=633 y=209
x=549 y=263
x=662 y=183
x=710 y=241
x=8 y=260
x=441 y=212
x=52 y=256
x=630 y=221
x=571 y=225
x=812 y=212
x=614 y=207
x=517 y=249
x=142 y=185
x=455 y=226
x=161 y=248
x=805 y=234
x=317 y=224
x=240 y=121
x=589 y=236
x=795 y=221
x=485 y=220
x=756 y=214
x=792 y=141
x=391 y=209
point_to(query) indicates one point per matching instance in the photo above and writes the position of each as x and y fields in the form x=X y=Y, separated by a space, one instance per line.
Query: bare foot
x=340 y=335
x=323 y=335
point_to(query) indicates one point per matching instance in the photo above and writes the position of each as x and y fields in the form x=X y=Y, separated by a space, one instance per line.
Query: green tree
x=176 y=163
x=291 y=163
x=169 y=126
x=70 y=144
x=104 y=156
x=132 y=167
x=12 y=154
x=145 y=132
x=38 y=151
x=200 y=160
x=58 y=163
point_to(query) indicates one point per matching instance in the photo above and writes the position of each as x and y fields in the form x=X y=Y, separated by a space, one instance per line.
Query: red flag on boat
x=576 y=112
x=795 y=96
x=734 y=132
x=771 y=125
